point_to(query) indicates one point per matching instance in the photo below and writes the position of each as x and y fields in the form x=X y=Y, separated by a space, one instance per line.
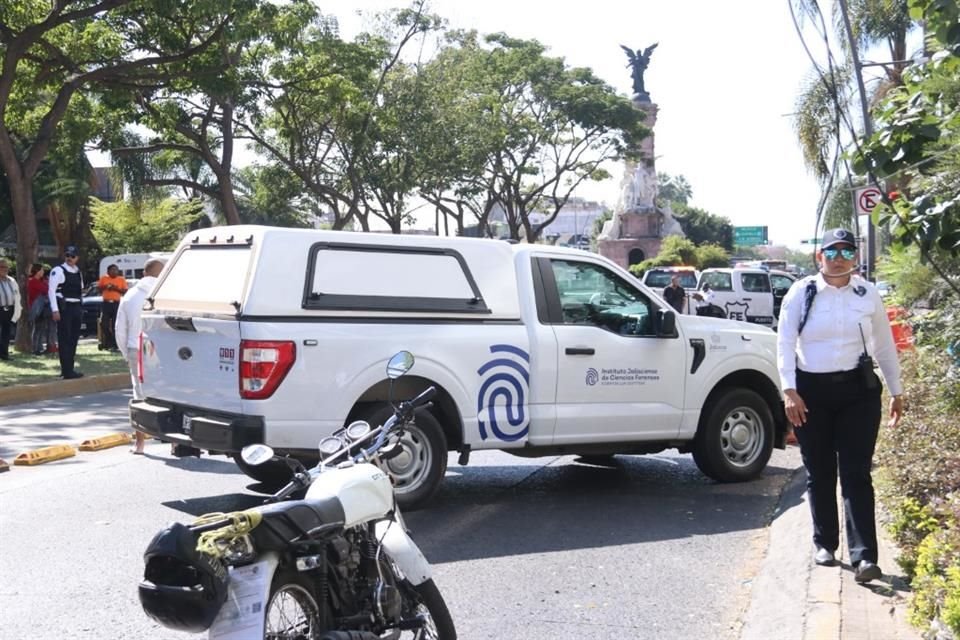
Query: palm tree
x=822 y=108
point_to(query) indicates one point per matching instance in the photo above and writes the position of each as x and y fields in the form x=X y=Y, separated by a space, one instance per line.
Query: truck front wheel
x=735 y=437
x=419 y=469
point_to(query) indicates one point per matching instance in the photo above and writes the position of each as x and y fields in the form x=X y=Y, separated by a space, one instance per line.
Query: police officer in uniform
x=833 y=327
x=65 y=293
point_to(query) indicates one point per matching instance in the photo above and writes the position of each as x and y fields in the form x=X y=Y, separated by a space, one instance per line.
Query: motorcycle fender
x=242 y=616
x=404 y=551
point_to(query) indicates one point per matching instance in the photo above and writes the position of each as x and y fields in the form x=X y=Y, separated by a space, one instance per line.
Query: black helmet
x=182 y=588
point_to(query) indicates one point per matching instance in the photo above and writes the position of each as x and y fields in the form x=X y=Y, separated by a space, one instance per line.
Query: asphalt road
x=522 y=549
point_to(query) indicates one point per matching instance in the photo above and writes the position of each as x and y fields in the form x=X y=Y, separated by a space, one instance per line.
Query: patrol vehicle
x=280 y=336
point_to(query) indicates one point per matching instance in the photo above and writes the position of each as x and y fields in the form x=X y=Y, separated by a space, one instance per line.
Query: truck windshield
x=660 y=279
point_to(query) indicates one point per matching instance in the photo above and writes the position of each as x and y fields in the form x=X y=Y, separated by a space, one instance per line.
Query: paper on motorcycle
x=241 y=616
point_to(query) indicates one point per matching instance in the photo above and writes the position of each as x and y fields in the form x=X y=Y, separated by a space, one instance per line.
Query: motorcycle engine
x=388 y=601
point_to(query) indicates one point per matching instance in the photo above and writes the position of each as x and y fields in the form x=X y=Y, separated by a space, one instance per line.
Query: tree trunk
x=228 y=200
x=21 y=201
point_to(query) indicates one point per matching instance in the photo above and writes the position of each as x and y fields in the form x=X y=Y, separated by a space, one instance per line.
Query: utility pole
x=867 y=130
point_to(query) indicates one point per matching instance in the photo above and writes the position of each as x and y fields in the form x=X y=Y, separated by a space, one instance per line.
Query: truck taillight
x=140 y=357
x=263 y=366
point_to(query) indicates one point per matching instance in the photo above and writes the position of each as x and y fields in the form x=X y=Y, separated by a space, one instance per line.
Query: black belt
x=833 y=376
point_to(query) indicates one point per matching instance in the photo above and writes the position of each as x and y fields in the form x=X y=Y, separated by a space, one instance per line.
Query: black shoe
x=824 y=558
x=73 y=375
x=867 y=571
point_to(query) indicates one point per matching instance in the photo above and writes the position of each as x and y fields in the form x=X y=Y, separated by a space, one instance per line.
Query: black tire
x=290 y=588
x=271 y=474
x=735 y=437
x=419 y=470
x=431 y=599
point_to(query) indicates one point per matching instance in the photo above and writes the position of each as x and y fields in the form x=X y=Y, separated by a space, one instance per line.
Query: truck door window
x=755 y=282
x=718 y=281
x=592 y=295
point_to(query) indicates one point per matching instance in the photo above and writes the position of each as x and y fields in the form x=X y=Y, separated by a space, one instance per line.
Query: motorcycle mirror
x=256 y=454
x=329 y=446
x=357 y=430
x=399 y=364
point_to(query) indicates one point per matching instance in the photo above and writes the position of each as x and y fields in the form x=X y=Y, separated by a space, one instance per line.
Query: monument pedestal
x=627 y=251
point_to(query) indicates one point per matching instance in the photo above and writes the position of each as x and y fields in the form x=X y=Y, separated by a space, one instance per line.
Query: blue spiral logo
x=592 y=376
x=505 y=387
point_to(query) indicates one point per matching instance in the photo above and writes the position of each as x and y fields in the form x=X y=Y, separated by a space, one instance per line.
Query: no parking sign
x=866 y=200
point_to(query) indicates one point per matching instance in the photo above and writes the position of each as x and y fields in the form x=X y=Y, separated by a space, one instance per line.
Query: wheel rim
x=409 y=469
x=292 y=615
x=741 y=437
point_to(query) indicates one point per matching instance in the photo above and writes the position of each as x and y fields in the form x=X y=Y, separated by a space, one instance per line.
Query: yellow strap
x=241 y=523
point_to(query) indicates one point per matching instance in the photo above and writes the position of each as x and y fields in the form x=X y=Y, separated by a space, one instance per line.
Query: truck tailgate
x=192 y=360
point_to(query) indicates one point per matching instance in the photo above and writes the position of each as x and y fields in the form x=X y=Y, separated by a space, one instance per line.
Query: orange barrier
x=902 y=331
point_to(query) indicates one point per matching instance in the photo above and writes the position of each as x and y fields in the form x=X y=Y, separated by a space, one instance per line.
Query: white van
x=131 y=264
x=744 y=294
x=533 y=349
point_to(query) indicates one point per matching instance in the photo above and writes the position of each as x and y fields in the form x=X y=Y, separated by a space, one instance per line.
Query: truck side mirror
x=666 y=323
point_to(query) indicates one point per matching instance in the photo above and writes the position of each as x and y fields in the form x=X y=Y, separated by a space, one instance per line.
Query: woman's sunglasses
x=831 y=254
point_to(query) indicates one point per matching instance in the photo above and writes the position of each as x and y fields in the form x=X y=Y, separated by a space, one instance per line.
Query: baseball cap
x=838 y=236
x=70 y=250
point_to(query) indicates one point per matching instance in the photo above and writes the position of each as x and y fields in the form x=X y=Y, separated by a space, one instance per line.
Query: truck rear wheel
x=419 y=470
x=735 y=437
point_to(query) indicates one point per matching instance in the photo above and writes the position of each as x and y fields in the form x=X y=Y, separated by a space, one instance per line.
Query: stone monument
x=638 y=225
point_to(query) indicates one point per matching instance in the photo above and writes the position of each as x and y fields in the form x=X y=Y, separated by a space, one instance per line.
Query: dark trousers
x=841 y=431
x=108 y=320
x=6 y=315
x=68 y=333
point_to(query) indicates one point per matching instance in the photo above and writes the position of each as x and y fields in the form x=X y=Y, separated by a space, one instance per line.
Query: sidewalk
x=794 y=598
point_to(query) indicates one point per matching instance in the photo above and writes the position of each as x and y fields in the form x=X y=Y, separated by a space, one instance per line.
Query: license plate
x=187 y=424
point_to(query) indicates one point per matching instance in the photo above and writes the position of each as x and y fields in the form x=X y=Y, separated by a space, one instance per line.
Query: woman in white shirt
x=832 y=328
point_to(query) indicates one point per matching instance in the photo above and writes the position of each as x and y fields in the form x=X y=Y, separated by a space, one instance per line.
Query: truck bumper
x=196 y=427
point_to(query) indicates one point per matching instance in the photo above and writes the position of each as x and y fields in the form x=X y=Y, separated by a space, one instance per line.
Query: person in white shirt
x=127 y=331
x=704 y=299
x=833 y=327
x=9 y=307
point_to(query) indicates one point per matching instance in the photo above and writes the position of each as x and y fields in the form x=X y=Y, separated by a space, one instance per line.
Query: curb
x=63 y=388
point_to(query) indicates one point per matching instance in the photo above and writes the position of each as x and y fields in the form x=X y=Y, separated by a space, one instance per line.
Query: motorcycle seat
x=297 y=520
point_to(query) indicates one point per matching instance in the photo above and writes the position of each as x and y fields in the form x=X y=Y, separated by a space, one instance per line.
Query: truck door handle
x=748 y=299
x=580 y=351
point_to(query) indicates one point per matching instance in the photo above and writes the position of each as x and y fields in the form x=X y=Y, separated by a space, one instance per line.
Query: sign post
x=865 y=200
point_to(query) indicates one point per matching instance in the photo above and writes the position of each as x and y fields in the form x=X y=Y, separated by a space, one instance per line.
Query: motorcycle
x=337 y=564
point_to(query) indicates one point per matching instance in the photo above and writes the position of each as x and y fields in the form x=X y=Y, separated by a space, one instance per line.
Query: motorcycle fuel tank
x=364 y=490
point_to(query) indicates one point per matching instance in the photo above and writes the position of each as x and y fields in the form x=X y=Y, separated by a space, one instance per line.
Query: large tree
x=192 y=106
x=51 y=52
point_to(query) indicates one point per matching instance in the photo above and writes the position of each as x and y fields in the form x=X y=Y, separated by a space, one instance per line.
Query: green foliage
x=673 y=189
x=141 y=227
x=711 y=255
x=674 y=251
x=920 y=466
x=704 y=227
x=917 y=138
x=272 y=195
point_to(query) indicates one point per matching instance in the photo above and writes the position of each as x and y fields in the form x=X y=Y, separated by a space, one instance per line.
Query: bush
x=920 y=466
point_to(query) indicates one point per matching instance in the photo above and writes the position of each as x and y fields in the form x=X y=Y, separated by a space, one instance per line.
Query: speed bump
x=45 y=454
x=105 y=442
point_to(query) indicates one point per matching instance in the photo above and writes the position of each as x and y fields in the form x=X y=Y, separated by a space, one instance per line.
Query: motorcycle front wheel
x=429 y=605
x=292 y=611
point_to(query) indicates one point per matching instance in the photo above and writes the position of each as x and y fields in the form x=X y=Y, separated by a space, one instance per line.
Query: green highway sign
x=749 y=236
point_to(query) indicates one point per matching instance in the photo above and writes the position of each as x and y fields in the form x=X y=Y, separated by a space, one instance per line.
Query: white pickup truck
x=280 y=336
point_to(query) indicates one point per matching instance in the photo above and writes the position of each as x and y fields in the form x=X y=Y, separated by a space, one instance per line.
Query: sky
x=725 y=77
